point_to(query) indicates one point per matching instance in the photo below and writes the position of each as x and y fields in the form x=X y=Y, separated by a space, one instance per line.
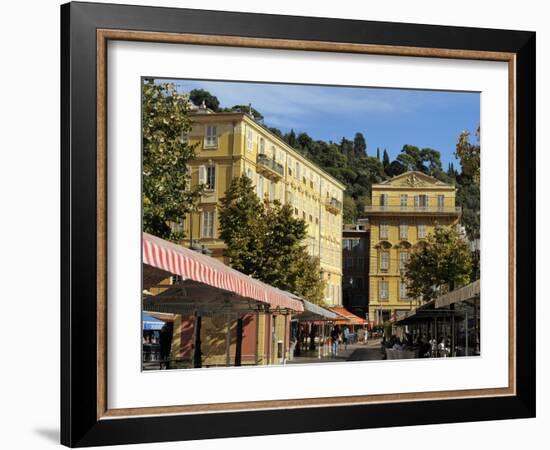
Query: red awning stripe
x=350 y=318
x=189 y=264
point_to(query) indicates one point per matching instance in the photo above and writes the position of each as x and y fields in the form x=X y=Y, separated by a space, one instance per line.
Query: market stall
x=223 y=316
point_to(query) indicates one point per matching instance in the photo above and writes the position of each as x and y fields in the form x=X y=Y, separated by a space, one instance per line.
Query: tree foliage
x=248 y=109
x=239 y=213
x=469 y=156
x=266 y=241
x=166 y=199
x=198 y=96
x=444 y=260
x=360 y=145
x=348 y=162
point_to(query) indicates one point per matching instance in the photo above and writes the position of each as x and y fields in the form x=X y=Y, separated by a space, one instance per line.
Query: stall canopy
x=348 y=318
x=315 y=313
x=205 y=283
x=468 y=292
x=151 y=323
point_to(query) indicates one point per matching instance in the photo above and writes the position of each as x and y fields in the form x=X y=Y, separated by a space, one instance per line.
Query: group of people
x=346 y=337
x=427 y=348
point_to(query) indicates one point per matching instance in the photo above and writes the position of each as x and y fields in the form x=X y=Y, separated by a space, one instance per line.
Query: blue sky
x=388 y=118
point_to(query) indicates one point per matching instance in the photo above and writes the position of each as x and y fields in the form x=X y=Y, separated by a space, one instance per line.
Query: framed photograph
x=278 y=224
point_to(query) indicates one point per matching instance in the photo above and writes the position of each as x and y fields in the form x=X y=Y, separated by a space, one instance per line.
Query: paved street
x=354 y=352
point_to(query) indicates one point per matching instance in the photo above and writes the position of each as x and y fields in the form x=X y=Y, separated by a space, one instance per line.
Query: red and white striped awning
x=348 y=317
x=195 y=266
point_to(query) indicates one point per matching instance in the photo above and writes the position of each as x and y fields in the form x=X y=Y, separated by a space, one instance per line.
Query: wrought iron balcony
x=333 y=205
x=433 y=210
x=269 y=167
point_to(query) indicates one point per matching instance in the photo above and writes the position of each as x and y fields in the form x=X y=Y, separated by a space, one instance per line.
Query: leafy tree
x=468 y=198
x=197 y=96
x=308 y=283
x=346 y=146
x=444 y=260
x=248 y=109
x=266 y=241
x=239 y=215
x=166 y=199
x=361 y=202
x=469 y=156
x=350 y=209
x=395 y=168
x=360 y=145
x=276 y=132
x=431 y=161
x=284 y=260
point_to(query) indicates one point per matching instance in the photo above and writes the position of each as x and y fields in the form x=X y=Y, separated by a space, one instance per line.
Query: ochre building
x=404 y=211
x=233 y=144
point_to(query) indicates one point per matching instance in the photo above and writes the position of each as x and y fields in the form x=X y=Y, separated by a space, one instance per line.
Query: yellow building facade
x=404 y=211
x=230 y=145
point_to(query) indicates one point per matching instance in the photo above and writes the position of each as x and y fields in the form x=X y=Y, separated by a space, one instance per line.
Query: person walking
x=366 y=336
x=346 y=337
x=335 y=337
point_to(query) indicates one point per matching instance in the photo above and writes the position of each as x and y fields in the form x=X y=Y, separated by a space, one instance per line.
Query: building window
x=383 y=231
x=358 y=283
x=360 y=263
x=383 y=199
x=383 y=288
x=272 y=191
x=421 y=201
x=211 y=138
x=384 y=261
x=440 y=201
x=404 y=200
x=403 y=259
x=297 y=170
x=249 y=139
x=207 y=224
x=249 y=173
x=349 y=262
x=421 y=231
x=403 y=294
x=403 y=231
x=210 y=178
x=207 y=176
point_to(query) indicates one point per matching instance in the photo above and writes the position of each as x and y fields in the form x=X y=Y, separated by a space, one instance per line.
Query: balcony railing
x=269 y=167
x=454 y=210
x=334 y=205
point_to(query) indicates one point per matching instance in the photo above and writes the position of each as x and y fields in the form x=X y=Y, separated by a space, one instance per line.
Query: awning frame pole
x=228 y=341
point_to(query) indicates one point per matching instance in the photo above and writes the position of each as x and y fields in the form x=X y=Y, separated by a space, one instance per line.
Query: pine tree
x=378 y=153
x=291 y=138
x=360 y=145
x=385 y=159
